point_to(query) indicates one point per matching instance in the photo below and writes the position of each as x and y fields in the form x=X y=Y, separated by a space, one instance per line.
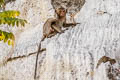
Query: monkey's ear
x=56 y=11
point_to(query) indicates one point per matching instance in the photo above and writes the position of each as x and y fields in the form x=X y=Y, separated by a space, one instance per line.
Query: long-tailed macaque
x=53 y=26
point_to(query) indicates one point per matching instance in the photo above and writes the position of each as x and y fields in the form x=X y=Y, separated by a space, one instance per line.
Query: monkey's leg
x=57 y=28
x=52 y=34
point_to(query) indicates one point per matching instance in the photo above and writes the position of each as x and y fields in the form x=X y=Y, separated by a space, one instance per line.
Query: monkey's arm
x=70 y=24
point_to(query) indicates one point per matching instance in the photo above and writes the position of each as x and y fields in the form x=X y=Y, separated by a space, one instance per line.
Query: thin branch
x=24 y=56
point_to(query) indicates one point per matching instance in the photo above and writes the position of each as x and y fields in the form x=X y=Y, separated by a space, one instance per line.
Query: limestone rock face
x=76 y=54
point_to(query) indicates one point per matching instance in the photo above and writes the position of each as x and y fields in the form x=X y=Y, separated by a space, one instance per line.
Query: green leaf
x=9 y=17
x=5 y=40
x=9 y=42
x=6 y=36
x=25 y=21
x=12 y=21
x=17 y=23
x=9 y=13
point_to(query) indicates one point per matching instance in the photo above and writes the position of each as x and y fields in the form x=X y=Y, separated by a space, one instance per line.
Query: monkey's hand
x=74 y=24
x=78 y=23
x=62 y=31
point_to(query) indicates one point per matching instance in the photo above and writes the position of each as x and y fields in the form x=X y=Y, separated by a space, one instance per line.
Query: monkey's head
x=61 y=12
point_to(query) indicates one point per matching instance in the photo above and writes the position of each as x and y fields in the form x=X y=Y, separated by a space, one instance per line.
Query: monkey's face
x=62 y=13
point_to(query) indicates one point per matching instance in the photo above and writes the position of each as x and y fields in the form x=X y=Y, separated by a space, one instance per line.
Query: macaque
x=53 y=26
x=105 y=59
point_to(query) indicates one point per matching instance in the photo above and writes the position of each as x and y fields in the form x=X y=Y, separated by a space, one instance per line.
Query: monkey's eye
x=63 y=11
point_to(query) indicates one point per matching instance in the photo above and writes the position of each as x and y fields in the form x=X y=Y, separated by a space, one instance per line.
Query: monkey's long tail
x=39 y=48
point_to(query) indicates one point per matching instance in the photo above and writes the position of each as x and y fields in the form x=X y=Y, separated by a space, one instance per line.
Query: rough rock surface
x=72 y=55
